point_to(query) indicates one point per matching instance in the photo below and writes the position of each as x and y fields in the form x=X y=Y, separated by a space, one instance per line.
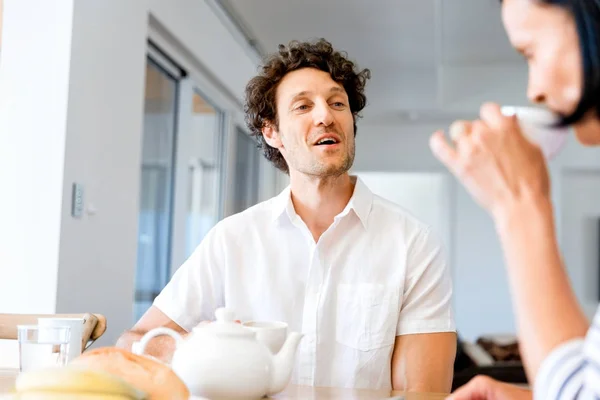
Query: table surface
x=8 y=376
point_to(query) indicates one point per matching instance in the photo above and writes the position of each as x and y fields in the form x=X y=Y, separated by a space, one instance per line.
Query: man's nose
x=322 y=114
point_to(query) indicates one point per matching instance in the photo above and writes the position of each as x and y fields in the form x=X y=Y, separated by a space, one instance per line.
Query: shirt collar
x=360 y=203
x=282 y=204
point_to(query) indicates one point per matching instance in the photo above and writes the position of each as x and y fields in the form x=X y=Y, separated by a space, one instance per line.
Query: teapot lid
x=225 y=325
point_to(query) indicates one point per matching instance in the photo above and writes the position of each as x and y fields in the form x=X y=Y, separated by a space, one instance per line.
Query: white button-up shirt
x=375 y=273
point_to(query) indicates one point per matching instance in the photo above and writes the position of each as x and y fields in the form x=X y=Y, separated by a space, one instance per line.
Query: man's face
x=315 y=132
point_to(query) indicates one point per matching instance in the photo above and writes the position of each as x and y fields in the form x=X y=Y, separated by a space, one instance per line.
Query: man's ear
x=271 y=136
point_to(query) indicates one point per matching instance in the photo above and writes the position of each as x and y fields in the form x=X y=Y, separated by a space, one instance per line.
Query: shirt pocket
x=366 y=315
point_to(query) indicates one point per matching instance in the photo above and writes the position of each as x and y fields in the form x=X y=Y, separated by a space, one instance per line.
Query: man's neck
x=318 y=200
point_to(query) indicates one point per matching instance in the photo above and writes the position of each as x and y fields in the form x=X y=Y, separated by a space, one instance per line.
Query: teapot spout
x=283 y=363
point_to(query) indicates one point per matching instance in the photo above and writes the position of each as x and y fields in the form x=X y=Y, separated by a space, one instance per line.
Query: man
x=361 y=278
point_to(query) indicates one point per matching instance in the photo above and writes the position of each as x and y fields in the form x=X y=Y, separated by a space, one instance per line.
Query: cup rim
x=38 y=327
x=536 y=115
x=82 y=320
x=266 y=325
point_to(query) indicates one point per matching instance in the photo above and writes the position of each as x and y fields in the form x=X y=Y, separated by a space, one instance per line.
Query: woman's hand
x=507 y=175
x=484 y=388
x=497 y=164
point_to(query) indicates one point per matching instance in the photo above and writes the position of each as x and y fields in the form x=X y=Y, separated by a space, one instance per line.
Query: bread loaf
x=148 y=375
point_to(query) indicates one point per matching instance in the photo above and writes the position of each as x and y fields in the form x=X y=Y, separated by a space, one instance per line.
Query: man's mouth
x=327 y=141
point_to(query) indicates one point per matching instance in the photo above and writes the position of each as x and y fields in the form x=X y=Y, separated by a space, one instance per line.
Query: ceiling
x=429 y=58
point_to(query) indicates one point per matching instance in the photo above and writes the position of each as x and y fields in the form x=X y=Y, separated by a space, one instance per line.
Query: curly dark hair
x=260 y=107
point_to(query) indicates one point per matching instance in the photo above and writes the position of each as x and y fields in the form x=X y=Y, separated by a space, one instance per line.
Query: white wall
x=31 y=154
x=31 y=151
x=581 y=233
x=81 y=66
x=482 y=299
x=103 y=152
x=426 y=195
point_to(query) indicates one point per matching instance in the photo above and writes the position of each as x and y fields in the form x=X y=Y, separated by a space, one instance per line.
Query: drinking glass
x=42 y=346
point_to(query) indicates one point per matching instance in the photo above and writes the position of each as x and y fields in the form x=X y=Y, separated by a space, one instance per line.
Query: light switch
x=77 y=201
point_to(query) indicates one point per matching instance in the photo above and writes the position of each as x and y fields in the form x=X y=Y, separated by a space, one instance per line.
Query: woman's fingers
x=460 y=130
x=443 y=151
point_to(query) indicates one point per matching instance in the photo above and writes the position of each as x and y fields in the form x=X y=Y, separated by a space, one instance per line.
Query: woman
x=508 y=176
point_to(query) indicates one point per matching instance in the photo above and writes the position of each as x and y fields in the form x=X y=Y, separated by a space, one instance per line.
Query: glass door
x=205 y=163
x=247 y=171
x=156 y=188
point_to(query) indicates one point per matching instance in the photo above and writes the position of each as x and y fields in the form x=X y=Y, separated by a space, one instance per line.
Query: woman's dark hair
x=587 y=18
x=260 y=107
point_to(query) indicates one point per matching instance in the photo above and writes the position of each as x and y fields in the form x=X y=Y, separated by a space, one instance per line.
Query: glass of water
x=43 y=346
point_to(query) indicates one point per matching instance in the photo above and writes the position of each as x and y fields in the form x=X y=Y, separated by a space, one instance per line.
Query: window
x=191 y=131
x=247 y=171
x=205 y=162
x=156 y=186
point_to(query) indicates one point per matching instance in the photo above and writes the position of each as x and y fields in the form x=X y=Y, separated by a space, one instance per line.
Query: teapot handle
x=139 y=347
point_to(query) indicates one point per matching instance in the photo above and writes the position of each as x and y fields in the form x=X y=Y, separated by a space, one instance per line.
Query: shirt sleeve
x=196 y=289
x=572 y=370
x=427 y=297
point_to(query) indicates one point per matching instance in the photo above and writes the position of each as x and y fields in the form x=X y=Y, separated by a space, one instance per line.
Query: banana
x=74 y=382
x=69 y=396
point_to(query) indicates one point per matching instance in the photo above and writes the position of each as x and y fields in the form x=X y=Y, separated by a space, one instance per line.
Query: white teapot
x=224 y=360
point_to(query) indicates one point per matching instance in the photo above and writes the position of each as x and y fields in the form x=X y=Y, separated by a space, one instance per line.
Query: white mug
x=539 y=126
x=271 y=333
x=76 y=332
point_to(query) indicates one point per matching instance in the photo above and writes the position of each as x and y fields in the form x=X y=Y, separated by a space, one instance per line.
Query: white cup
x=538 y=125
x=271 y=333
x=76 y=325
